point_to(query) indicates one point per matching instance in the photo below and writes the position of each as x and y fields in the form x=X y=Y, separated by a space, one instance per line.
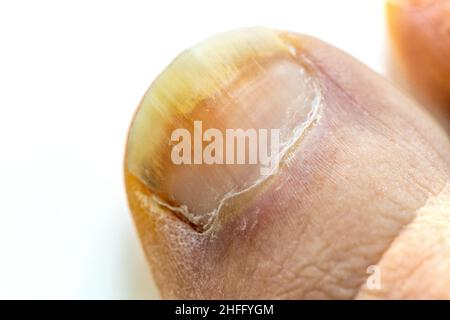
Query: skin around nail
x=420 y=43
x=357 y=161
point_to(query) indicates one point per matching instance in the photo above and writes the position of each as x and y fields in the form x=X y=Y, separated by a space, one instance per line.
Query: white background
x=71 y=76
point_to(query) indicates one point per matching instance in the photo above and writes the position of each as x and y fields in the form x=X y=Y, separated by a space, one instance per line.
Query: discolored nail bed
x=255 y=82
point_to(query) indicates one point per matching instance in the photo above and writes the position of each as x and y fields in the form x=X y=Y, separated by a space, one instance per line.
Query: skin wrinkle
x=355 y=102
x=316 y=266
x=381 y=211
x=335 y=285
x=283 y=292
x=399 y=205
x=267 y=257
x=387 y=130
x=433 y=147
x=325 y=275
x=339 y=285
x=284 y=272
x=405 y=229
x=280 y=271
x=338 y=280
x=324 y=272
x=390 y=244
x=415 y=181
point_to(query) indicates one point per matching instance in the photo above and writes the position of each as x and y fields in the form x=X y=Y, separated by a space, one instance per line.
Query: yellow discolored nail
x=249 y=87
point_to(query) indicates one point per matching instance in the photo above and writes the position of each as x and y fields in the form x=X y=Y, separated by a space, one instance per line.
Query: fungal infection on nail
x=219 y=121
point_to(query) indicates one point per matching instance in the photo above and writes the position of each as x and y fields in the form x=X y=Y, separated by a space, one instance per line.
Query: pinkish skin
x=420 y=39
x=334 y=208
